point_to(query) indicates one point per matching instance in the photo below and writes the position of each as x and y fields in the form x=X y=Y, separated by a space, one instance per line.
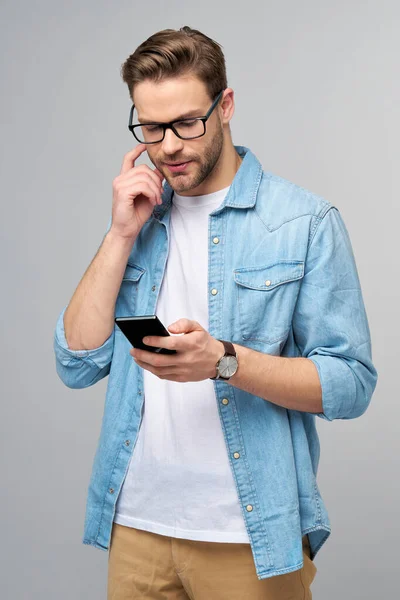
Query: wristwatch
x=228 y=363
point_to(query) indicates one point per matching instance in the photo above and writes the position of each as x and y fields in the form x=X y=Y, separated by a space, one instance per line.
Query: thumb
x=176 y=327
x=180 y=326
x=184 y=326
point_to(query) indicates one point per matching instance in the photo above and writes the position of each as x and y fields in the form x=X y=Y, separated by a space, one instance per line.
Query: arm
x=84 y=334
x=331 y=330
x=289 y=382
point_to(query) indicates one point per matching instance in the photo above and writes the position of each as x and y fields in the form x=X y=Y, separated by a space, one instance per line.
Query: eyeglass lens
x=154 y=133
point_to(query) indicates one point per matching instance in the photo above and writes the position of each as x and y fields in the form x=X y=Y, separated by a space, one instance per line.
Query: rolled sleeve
x=330 y=324
x=80 y=368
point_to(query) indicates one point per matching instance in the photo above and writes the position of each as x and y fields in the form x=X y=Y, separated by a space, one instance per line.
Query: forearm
x=289 y=382
x=89 y=317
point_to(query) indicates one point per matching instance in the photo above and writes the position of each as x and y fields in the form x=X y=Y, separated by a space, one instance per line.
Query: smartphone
x=136 y=328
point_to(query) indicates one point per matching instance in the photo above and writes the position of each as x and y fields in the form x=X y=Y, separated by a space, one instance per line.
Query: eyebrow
x=192 y=113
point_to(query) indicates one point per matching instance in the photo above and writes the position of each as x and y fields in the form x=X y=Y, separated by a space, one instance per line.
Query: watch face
x=228 y=366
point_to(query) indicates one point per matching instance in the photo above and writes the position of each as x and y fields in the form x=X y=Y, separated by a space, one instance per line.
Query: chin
x=180 y=186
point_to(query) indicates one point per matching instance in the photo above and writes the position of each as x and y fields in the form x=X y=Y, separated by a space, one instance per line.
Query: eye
x=151 y=128
x=187 y=124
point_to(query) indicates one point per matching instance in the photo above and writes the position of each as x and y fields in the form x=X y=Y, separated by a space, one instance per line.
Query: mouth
x=177 y=167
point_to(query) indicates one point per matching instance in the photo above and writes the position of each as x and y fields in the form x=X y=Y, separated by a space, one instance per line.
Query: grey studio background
x=317 y=96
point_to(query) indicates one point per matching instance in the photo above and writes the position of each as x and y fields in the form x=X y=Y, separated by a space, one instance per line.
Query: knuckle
x=150 y=173
x=185 y=359
x=198 y=344
x=146 y=177
x=143 y=180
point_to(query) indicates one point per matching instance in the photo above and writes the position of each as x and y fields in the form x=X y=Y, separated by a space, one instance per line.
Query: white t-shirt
x=179 y=482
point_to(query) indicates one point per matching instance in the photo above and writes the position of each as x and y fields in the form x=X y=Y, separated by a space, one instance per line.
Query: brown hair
x=172 y=53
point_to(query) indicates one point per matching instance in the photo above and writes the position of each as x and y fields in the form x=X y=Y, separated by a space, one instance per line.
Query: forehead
x=165 y=100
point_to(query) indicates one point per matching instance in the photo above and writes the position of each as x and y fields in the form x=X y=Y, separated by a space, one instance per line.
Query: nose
x=171 y=144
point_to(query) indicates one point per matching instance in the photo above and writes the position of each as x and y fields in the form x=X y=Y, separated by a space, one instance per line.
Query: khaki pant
x=142 y=564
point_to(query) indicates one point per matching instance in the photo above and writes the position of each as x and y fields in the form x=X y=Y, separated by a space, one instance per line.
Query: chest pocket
x=266 y=297
x=127 y=297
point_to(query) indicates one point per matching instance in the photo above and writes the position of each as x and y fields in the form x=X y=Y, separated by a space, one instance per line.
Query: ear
x=227 y=106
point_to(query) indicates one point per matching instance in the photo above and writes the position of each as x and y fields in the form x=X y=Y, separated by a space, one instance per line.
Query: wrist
x=120 y=240
x=227 y=363
x=218 y=352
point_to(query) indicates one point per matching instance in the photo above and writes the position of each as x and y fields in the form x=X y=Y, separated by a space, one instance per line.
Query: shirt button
x=216 y=240
x=249 y=508
x=127 y=442
x=153 y=289
x=267 y=283
x=236 y=455
x=225 y=401
x=111 y=490
x=214 y=291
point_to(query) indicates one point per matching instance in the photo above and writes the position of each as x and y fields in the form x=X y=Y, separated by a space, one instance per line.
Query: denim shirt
x=283 y=281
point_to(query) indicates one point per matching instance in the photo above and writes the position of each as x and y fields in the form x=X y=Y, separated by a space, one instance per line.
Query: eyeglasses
x=186 y=129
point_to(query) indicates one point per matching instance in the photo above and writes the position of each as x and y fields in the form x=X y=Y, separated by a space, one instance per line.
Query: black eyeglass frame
x=170 y=125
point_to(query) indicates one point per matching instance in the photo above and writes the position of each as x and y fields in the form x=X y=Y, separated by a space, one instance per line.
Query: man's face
x=168 y=101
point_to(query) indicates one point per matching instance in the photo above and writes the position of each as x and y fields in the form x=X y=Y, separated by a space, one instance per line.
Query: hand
x=136 y=191
x=197 y=353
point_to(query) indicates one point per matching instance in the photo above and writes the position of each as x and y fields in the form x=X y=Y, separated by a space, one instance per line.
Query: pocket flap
x=270 y=276
x=133 y=273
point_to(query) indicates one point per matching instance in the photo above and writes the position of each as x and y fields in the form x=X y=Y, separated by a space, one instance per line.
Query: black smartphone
x=136 y=328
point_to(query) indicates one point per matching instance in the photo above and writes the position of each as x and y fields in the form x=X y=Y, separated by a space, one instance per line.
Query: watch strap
x=229 y=348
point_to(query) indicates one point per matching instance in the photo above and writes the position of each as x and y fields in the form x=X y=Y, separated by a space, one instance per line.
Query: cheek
x=152 y=156
x=194 y=150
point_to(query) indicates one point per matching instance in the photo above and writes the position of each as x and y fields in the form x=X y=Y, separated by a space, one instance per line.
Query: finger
x=144 y=365
x=184 y=326
x=153 y=173
x=130 y=157
x=162 y=341
x=144 y=171
x=146 y=183
x=145 y=190
x=153 y=359
x=166 y=373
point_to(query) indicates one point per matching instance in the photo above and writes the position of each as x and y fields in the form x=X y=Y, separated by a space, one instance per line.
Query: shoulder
x=280 y=200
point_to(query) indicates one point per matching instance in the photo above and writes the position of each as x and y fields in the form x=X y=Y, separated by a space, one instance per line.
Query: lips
x=177 y=167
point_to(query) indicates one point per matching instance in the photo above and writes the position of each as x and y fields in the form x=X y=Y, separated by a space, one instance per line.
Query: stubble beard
x=211 y=154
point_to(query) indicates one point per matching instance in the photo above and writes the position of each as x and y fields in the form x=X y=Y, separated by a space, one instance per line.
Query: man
x=204 y=480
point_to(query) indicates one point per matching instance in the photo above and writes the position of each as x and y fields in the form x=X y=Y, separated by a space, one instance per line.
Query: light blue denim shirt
x=287 y=285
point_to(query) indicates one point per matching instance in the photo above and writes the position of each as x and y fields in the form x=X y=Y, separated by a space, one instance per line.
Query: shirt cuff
x=339 y=388
x=100 y=356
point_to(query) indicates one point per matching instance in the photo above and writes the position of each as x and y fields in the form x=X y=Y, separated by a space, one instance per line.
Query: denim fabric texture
x=287 y=285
